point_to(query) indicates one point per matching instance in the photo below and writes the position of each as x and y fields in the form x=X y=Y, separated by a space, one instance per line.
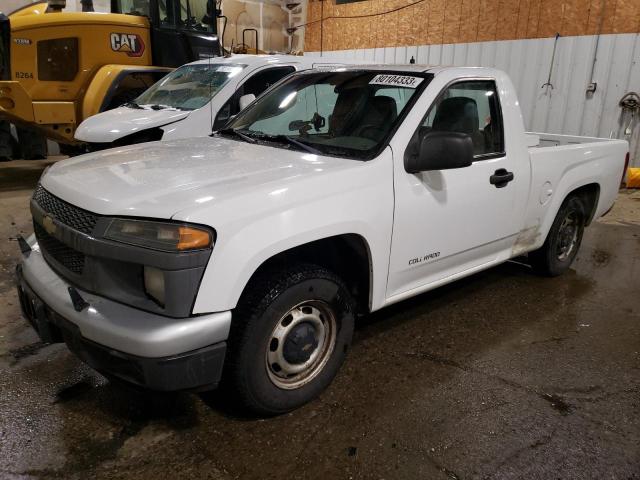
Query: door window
x=262 y=80
x=256 y=84
x=471 y=107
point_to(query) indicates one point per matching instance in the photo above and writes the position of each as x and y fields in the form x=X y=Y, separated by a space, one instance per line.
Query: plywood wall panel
x=551 y=13
x=462 y=21
x=435 y=27
x=627 y=16
x=609 y=15
x=452 y=18
x=576 y=17
x=507 y=25
x=488 y=20
x=534 y=18
x=523 y=18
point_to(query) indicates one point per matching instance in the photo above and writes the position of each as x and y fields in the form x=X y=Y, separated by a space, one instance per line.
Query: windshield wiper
x=289 y=140
x=132 y=104
x=160 y=107
x=237 y=133
x=299 y=144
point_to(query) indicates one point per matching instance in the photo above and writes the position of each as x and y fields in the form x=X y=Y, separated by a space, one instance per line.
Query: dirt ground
x=502 y=375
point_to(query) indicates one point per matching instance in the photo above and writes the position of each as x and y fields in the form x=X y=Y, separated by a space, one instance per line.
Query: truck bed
x=543 y=140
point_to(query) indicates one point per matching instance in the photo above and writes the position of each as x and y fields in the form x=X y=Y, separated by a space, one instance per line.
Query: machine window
x=58 y=59
x=134 y=7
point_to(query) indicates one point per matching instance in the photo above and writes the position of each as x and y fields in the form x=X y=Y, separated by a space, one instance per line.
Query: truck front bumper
x=143 y=348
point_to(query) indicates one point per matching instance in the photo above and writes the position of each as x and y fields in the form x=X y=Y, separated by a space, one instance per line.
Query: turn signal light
x=192 y=238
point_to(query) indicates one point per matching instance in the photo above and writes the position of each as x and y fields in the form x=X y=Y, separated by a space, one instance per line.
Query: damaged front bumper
x=147 y=349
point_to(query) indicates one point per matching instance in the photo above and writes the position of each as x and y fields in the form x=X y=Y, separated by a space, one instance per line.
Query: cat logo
x=128 y=43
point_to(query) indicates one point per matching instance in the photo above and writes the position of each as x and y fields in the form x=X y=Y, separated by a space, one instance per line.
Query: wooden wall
x=461 y=21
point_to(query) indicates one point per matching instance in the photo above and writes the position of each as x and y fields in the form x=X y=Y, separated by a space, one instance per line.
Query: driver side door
x=454 y=220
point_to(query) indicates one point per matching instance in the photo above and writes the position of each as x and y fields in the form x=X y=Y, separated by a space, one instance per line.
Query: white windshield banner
x=406 y=81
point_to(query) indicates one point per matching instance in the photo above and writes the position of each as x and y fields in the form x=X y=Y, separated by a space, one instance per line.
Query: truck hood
x=159 y=179
x=122 y=121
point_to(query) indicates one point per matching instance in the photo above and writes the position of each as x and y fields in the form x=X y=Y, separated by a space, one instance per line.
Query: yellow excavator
x=58 y=68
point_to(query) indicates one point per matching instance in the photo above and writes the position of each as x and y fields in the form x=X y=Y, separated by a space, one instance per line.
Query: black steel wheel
x=289 y=337
x=563 y=241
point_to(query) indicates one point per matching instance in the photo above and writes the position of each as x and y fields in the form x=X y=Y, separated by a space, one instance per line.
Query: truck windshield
x=188 y=87
x=343 y=113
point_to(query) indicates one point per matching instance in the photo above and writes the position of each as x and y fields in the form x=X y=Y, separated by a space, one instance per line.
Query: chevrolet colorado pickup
x=242 y=259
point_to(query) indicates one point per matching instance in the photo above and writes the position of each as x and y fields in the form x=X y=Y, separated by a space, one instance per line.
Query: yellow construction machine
x=58 y=68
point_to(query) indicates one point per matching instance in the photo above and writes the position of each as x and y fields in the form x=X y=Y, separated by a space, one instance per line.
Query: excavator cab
x=182 y=31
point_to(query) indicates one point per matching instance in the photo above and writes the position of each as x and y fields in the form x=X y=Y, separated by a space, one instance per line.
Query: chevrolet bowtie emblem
x=49 y=226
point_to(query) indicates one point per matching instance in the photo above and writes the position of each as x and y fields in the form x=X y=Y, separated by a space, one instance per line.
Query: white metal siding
x=564 y=109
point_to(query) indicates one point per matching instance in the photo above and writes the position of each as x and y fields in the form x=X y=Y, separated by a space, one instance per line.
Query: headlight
x=169 y=237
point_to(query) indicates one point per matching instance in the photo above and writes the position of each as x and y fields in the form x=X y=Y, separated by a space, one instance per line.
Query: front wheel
x=289 y=337
x=561 y=246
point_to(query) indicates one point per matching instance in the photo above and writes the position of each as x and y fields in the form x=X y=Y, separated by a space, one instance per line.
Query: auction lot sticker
x=396 y=80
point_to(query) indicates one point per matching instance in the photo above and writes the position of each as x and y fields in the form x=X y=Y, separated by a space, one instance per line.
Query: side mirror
x=245 y=100
x=440 y=151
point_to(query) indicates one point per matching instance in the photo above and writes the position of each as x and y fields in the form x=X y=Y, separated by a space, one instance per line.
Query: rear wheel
x=562 y=244
x=289 y=337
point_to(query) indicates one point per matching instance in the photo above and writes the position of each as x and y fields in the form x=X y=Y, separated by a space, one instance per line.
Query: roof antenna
x=214 y=20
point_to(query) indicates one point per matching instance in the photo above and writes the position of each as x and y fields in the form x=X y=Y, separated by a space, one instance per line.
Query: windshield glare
x=190 y=86
x=348 y=113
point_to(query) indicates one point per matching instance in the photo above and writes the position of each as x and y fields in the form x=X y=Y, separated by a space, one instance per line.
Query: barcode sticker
x=396 y=80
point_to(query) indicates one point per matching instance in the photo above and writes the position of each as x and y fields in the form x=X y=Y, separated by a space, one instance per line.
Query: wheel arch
x=347 y=255
x=588 y=192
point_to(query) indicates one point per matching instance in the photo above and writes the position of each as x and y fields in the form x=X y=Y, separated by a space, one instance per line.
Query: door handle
x=500 y=178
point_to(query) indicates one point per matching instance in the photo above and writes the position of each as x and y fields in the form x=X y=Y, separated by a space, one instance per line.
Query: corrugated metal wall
x=564 y=109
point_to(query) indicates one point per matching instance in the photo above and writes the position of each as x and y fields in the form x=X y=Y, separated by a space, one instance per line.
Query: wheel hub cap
x=300 y=344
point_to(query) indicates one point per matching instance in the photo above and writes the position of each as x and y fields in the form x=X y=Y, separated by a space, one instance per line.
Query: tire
x=6 y=142
x=563 y=241
x=310 y=303
x=33 y=145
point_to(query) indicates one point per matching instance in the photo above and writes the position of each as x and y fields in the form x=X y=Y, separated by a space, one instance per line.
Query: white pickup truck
x=244 y=258
x=191 y=100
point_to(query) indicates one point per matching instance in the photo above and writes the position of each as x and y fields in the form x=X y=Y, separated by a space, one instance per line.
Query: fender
x=267 y=223
x=105 y=83
x=586 y=169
